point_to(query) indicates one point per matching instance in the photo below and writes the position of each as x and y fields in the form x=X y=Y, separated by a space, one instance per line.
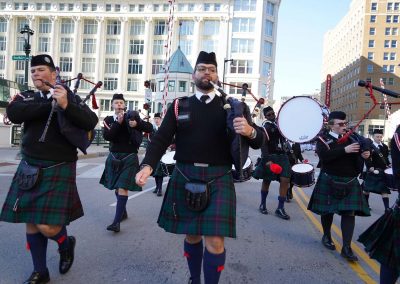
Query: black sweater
x=375 y=160
x=203 y=138
x=33 y=110
x=122 y=136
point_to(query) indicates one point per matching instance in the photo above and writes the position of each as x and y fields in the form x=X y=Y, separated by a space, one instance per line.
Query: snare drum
x=389 y=179
x=303 y=175
x=168 y=163
x=300 y=119
x=247 y=171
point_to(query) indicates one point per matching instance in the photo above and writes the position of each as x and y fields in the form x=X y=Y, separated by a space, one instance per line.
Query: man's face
x=270 y=115
x=118 y=105
x=204 y=73
x=377 y=138
x=42 y=73
x=157 y=121
x=339 y=126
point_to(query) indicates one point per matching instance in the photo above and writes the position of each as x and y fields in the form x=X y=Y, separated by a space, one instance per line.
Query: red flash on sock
x=185 y=254
x=61 y=239
x=28 y=247
x=220 y=268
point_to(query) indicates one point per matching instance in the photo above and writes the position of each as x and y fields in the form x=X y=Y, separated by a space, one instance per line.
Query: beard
x=200 y=84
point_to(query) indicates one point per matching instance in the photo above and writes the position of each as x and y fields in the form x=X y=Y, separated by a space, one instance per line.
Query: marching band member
x=49 y=202
x=337 y=189
x=295 y=156
x=200 y=199
x=376 y=165
x=158 y=174
x=124 y=130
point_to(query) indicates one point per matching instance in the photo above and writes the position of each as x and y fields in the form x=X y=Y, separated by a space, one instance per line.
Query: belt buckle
x=200 y=165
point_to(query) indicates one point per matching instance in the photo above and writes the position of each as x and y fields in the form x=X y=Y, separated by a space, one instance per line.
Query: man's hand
x=242 y=127
x=143 y=175
x=60 y=95
x=120 y=117
x=352 y=148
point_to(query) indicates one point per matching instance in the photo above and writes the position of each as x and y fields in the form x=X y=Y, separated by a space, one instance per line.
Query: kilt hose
x=54 y=201
x=382 y=239
x=218 y=219
x=375 y=183
x=323 y=202
x=123 y=177
x=262 y=171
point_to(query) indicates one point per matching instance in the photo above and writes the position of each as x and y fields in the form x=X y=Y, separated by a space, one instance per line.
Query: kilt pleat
x=125 y=177
x=322 y=201
x=54 y=201
x=218 y=219
x=375 y=183
x=262 y=171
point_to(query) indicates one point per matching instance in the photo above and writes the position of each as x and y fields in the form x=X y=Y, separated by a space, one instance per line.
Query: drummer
x=376 y=164
x=295 y=156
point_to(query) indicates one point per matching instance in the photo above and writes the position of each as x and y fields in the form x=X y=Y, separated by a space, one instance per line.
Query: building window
x=171 y=86
x=269 y=28
x=267 y=49
x=2 y=62
x=65 y=64
x=131 y=8
x=190 y=7
x=242 y=66
x=371 y=31
x=391 y=81
x=111 y=65
x=156 y=7
x=20 y=78
x=112 y=46
x=135 y=66
x=88 y=65
x=387 y=31
x=396 y=6
x=374 y=7
x=388 y=19
x=207 y=7
x=270 y=8
x=395 y=19
x=394 y=31
x=210 y=45
x=182 y=86
x=44 y=26
x=136 y=46
x=371 y=43
x=117 y=8
x=367 y=105
x=391 y=69
x=161 y=86
x=236 y=91
x=160 y=27
x=66 y=45
x=67 y=26
x=132 y=105
x=370 y=68
x=3 y=43
x=186 y=47
x=105 y=105
x=70 y=7
x=44 y=44
x=89 y=27
x=243 y=25
x=241 y=45
x=133 y=85
x=113 y=27
x=393 y=44
x=157 y=66
x=217 y=7
x=386 y=43
x=137 y=28
x=389 y=6
x=3 y=25
x=370 y=55
x=187 y=28
x=211 y=28
x=158 y=47
x=244 y=5
x=141 y=8
x=86 y=85
x=20 y=44
x=108 y=7
x=3 y=5
x=392 y=56
x=94 y=7
x=110 y=84
x=85 y=7
x=20 y=65
x=89 y=45
x=372 y=19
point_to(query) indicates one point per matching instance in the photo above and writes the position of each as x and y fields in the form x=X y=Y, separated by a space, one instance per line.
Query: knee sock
x=159 y=181
x=281 y=201
x=385 y=202
x=388 y=275
x=367 y=198
x=61 y=238
x=121 y=207
x=264 y=195
x=347 y=224
x=194 y=257
x=37 y=244
x=326 y=221
x=213 y=265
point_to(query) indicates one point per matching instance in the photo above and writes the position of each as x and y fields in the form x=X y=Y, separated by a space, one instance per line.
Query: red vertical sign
x=328 y=90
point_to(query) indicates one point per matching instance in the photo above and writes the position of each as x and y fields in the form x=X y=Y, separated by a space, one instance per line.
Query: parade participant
x=337 y=189
x=200 y=199
x=276 y=154
x=295 y=156
x=376 y=165
x=124 y=130
x=43 y=192
x=158 y=174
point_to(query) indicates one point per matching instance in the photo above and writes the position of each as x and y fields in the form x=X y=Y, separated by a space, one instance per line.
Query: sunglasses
x=270 y=114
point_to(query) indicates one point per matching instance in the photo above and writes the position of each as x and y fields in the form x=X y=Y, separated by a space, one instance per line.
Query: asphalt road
x=267 y=249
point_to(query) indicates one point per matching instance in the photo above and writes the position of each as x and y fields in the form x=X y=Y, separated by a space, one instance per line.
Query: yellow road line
x=373 y=264
x=357 y=268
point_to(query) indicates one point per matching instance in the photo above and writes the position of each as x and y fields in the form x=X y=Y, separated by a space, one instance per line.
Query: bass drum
x=247 y=171
x=300 y=119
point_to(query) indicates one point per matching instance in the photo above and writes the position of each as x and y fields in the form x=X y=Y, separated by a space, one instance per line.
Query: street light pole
x=27 y=32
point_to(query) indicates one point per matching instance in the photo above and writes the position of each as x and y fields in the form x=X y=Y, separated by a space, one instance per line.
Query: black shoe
x=347 y=253
x=194 y=281
x=67 y=256
x=124 y=216
x=263 y=210
x=37 y=278
x=155 y=190
x=281 y=213
x=114 y=227
x=159 y=192
x=327 y=242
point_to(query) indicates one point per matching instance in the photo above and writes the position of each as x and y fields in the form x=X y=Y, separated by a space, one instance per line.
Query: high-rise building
x=363 y=46
x=123 y=44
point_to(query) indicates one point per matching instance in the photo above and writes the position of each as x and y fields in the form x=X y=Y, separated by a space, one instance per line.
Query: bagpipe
x=75 y=135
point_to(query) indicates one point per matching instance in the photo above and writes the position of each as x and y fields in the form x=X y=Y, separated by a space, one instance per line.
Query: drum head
x=302 y=168
x=168 y=158
x=389 y=171
x=300 y=119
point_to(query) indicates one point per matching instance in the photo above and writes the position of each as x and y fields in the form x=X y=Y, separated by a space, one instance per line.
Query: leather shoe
x=114 y=227
x=155 y=190
x=328 y=243
x=67 y=256
x=263 y=209
x=124 y=216
x=347 y=253
x=159 y=192
x=37 y=278
x=281 y=213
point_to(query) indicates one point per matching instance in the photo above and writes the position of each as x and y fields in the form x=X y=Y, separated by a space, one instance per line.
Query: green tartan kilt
x=262 y=171
x=54 y=201
x=123 y=178
x=323 y=202
x=218 y=219
x=159 y=171
x=382 y=239
x=375 y=183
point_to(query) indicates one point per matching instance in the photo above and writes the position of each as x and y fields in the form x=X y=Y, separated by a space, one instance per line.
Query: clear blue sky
x=301 y=28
